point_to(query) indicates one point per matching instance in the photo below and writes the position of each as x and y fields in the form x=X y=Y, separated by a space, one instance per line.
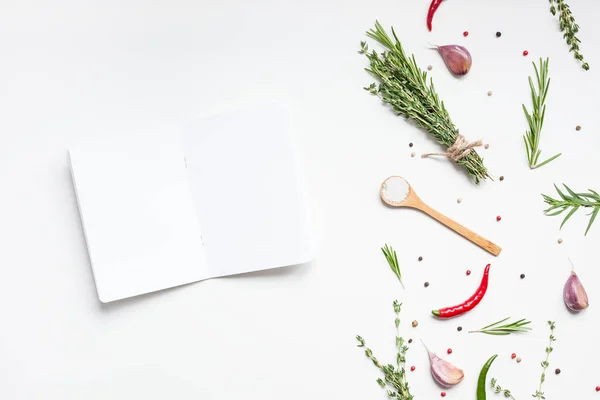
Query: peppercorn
x=522 y=276
x=559 y=240
x=410 y=144
x=465 y=33
x=443 y=394
x=459 y=328
x=498 y=218
x=468 y=272
x=513 y=356
x=597 y=388
x=486 y=146
x=415 y=323
x=449 y=351
x=412 y=154
x=518 y=359
x=578 y=128
x=489 y=93
x=459 y=200
x=426 y=284
x=409 y=340
x=429 y=67
x=412 y=368
x=557 y=371
x=525 y=53
x=501 y=178
x=498 y=34
x=420 y=258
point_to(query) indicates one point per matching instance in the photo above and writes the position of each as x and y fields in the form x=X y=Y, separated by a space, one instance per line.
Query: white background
x=72 y=70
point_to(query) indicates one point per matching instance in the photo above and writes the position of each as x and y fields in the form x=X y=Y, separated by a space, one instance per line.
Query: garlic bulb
x=574 y=294
x=444 y=373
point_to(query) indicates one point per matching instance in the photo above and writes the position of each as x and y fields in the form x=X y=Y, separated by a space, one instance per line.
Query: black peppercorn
x=459 y=328
x=522 y=276
x=498 y=34
x=557 y=371
x=426 y=284
x=409 y=340
x=420 y=258
x=410 y=145
x=501 y=178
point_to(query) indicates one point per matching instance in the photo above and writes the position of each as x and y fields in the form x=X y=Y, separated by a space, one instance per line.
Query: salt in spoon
x=397 y=192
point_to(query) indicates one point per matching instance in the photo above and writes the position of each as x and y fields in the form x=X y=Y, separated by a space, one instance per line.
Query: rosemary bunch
x=394 y=377
x=498 y=329
x=569 y=29
x=404 y=86
x=536 y=118
x=573 y=201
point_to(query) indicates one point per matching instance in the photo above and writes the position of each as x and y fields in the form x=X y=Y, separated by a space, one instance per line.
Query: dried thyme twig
x=545 y=364
x=536 y=118
x=404 y=86
x=394 y=377
x=569 y=27
x=498 y=389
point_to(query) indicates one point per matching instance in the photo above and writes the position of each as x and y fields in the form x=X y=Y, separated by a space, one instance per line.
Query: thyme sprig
x=569 y=29
x=536 y=118
x=392 y=259
x=498 y=389
x=404 y=86
x=394 y=377
x=498 y=329
x=573 y=201
x=545 y=364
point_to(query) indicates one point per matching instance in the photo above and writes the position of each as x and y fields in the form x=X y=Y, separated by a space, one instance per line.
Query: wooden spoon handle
x=458 y=228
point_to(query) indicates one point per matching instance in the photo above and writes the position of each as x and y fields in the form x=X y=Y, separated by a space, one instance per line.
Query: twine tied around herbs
x=460 y=149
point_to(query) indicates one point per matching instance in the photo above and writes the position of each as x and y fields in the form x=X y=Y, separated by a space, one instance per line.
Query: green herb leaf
x=572 y=202
x=392 y=259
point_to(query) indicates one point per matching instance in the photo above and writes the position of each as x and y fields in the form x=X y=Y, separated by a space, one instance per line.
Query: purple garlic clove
x=443 y=372
x=457 y=58
x=574 y=294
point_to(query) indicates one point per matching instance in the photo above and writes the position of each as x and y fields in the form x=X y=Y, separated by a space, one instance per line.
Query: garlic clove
x=443 y=372
x=457 y=58
x=574 y=294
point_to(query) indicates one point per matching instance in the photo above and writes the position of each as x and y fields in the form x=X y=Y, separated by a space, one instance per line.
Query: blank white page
x=138 y=216
x=246 y=187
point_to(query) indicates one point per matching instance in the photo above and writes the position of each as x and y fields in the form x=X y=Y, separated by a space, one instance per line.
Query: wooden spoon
x=397 y=192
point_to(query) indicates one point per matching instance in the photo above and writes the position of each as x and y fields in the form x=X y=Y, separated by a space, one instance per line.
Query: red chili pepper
x=432 y=9
x=470 y=303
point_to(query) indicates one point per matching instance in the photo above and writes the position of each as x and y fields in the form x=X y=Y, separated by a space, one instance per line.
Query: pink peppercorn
x=525 y=53
x=449 y=351
x=443 y=394
x=498 y=218
x=412 y=368
x=468 y=272
x=466 y=33
x=513 y=356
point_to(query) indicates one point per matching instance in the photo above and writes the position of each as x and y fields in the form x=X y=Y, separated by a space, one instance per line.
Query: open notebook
x=222 y=198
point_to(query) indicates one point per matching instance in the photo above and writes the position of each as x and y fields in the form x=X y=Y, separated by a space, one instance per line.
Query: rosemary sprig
x=536 y=118
x=545 y=364
x=498 y=329
x=498 y=389
x=394 y=377
x=404 y=86
x=573 y=201
x=569 y=29
x=392 y=259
